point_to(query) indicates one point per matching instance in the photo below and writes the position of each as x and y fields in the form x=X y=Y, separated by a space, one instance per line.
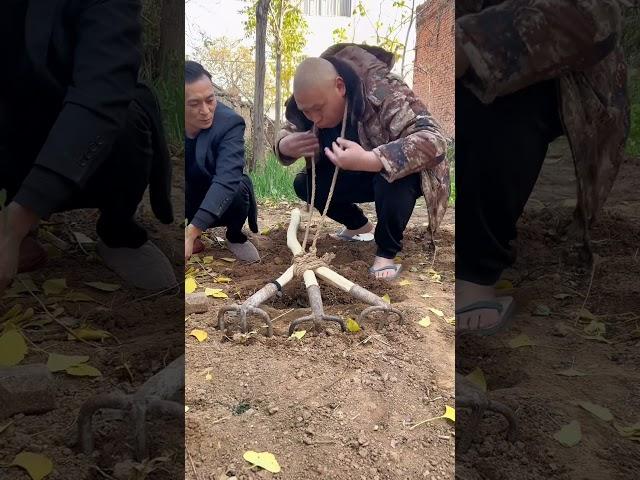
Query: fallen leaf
x=503 y=285
x=404 y=283
x=222 y=280
x=352 y=325
x=105 y=287
x=386 y=298
x=632 y=431
x=298 y=334
x=58 y=362
x=186 y=409
x=436 y=312
x=541 y=310
x=201 y=335
x=264 y=460
x=424 y=322
x=13 y=348
x=54 y=286
x=208 y=377
x=450 y=320
x=12 y=313
x=449 y=413
x=89 y=334
x=83 y=370
x=215 y=293
x=586 y=314
x=562 y=296
x=266 y=231
x=595 y=328
x=521 y=340
x=190 y=285
x=207 y=260
x=601 y=412
x=228 y=259
x=571 y=372
x=598 y=338
x=569 y=435
x=477 y=377
x=37 y=466
x=77 y=297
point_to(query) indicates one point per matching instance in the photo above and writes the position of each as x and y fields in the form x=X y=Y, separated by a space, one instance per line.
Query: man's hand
x=15 y=223
x=190 y=235
x=301 y=144
x=349 y=155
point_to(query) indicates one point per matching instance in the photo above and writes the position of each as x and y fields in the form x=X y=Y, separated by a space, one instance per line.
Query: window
x=327 y=8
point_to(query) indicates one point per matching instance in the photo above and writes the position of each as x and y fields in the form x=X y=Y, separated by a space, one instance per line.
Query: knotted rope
x=310 y=260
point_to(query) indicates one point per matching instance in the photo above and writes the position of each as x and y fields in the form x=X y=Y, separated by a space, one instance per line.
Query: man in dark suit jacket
x=218 y=192
x=78 y=130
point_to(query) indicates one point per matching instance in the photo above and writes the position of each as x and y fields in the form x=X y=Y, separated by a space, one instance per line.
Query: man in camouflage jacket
x=561 y=62
x=393 y=150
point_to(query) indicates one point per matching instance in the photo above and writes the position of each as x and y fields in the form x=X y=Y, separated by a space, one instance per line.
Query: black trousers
x=500 y=149
x=234 y=216
x=116 y=189
x=394 y=202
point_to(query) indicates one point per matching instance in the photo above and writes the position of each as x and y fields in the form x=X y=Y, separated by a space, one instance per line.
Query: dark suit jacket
x=85 y=56
x=220 y=165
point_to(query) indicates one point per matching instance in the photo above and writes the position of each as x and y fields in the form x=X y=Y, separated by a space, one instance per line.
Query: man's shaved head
x=314 y=72
x=319 y=92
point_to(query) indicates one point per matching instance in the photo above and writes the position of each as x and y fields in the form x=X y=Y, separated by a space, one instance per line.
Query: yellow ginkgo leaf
x=298 y=334
x=569 y=435
x=37 y=466
x=352 y=325
x=228 y=259
x=449 y=413
x=186 y=409
x=386 y=298
x=264 y=460
x=403 y=283
x=477 y=377
x=208 y=377
x=190 y=285
x=424 y=322
x=222 y=280
x=266 y=231
x=58 y=362
x=105 y=287
x=521 y=340
x=88 y=334
x=13 y=348
x=201 y=335
x=450 y=320
x=83 y=370
x=207 y=260
x=54 y=286
x=11 y=313
x=503 y=285
x=437 y=312
x=215 y=293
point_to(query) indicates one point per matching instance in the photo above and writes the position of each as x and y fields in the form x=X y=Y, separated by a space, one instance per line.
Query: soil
x=332 y=405
x=146 y=336
x=526 y=378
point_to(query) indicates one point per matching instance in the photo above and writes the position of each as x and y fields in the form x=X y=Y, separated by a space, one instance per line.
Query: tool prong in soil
x=151 y=397
x=317 y=309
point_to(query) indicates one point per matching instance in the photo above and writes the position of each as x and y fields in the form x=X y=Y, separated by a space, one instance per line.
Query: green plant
x=272 y=181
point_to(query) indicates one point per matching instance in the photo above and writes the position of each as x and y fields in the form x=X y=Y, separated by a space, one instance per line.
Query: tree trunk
x=406 y=40
x=278 y=51
x=262 y=10
x=171 y=51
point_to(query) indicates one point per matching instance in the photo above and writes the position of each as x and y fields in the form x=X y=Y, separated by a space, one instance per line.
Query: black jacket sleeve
x=228 y=174
x=106 y=61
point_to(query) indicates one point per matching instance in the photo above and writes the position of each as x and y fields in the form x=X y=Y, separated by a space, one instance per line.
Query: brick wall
x=434 y=71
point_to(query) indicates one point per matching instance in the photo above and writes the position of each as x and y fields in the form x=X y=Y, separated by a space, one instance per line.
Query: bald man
x=392 y=151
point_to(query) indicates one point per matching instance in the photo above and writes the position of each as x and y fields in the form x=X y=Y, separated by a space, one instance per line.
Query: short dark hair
x=193 y=72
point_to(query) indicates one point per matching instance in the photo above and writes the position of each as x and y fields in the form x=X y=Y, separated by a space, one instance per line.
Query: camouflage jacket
x=513 y=44
x=391 y=121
